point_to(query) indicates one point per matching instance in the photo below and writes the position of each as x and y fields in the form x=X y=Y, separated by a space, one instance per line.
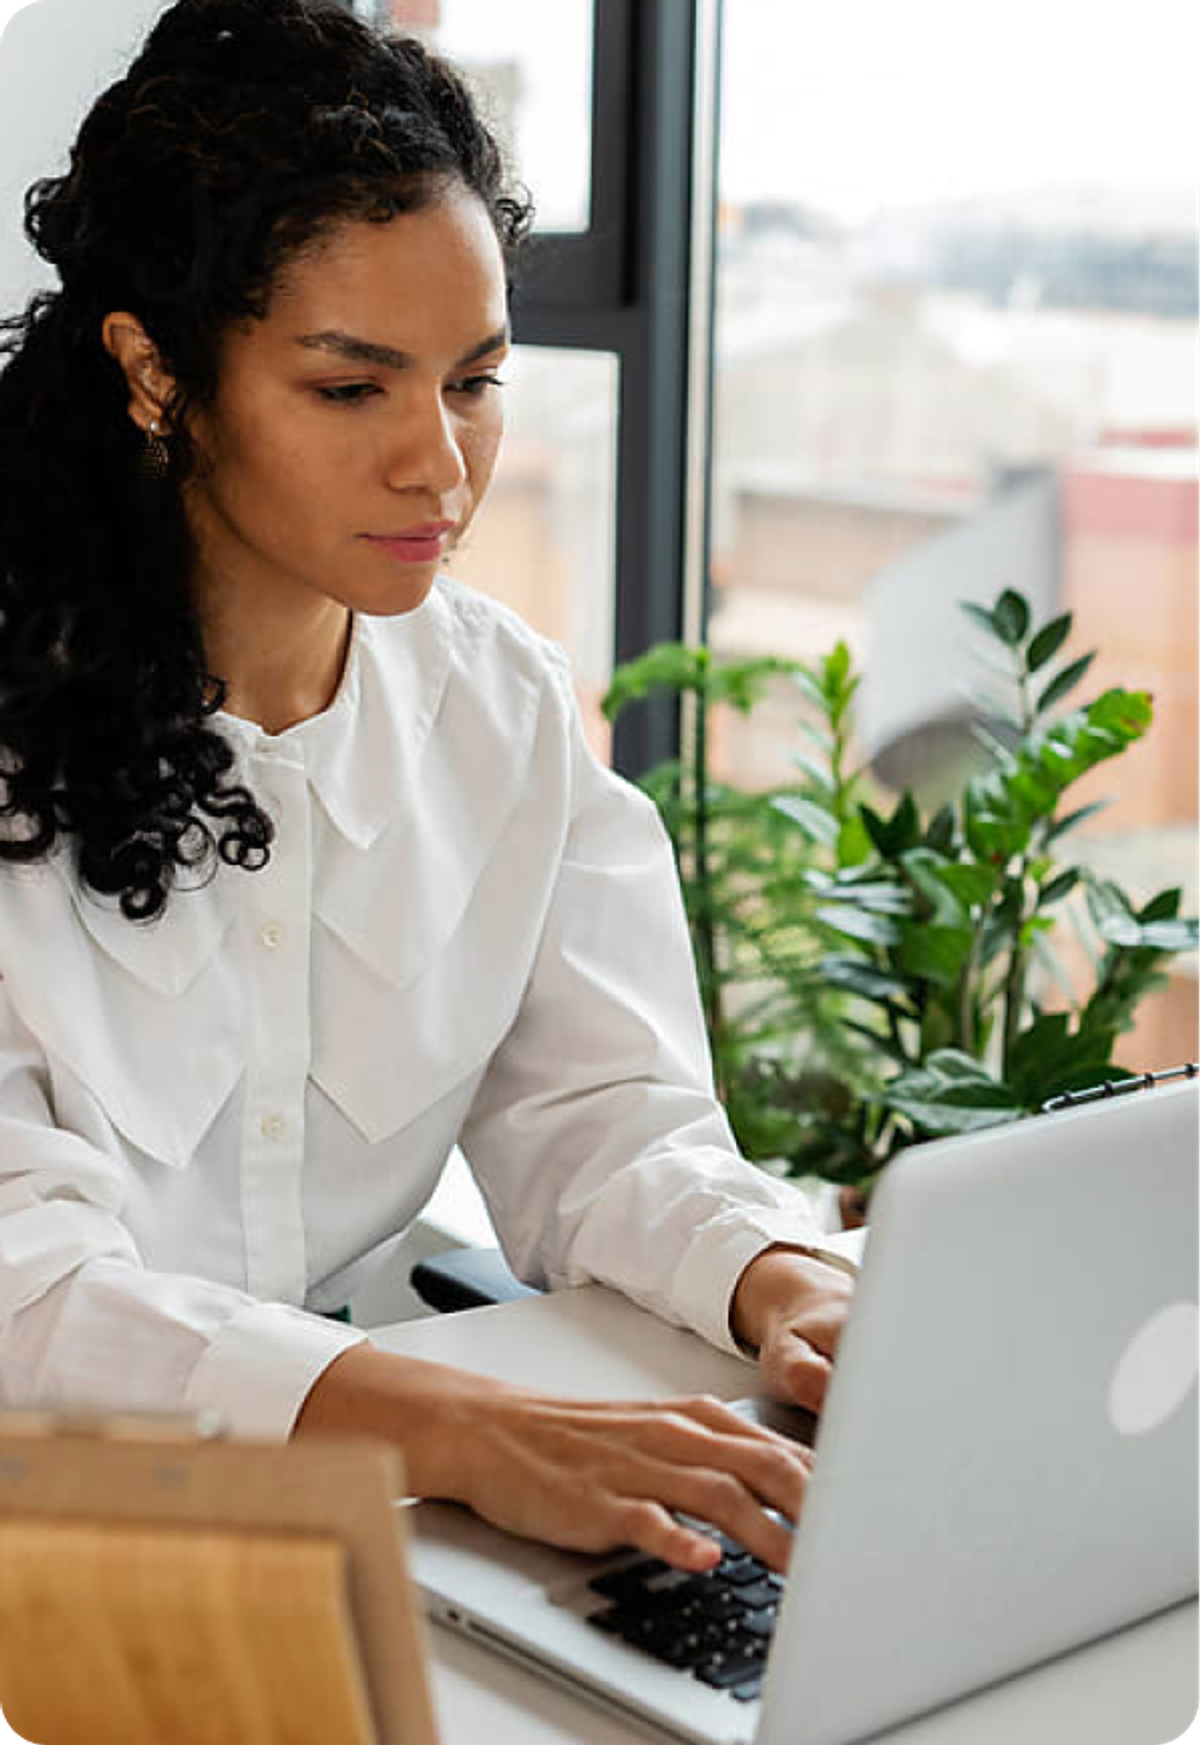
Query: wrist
x=424 y=1409
x=770 y=1285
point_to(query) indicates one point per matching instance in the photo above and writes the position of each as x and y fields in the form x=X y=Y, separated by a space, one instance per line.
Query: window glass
x=531 y=63
x=544 y=540
x=956 y=351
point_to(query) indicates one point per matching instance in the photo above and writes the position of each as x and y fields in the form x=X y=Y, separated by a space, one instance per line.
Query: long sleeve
x=595 y=1134
x=83 y=1324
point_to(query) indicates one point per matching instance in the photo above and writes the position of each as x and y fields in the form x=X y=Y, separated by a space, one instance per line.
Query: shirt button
x=272 y=936
x=274 y=1127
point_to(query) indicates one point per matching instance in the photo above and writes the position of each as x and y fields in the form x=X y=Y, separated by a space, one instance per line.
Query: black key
x=616 y=1583
x=656 y=1601
x=760 y=1623
x=761 y=1593
x=740 y=1570
x=660 y=1638
x=716 y=1602
x=729 y=1546
x=749 y=1691
x=608 y=1620
x=725 y=1670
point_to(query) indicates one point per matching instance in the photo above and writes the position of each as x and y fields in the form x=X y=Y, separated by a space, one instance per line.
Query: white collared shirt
x=469 y=931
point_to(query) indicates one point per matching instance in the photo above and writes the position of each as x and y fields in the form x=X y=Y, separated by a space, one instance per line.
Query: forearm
x=424 y=1409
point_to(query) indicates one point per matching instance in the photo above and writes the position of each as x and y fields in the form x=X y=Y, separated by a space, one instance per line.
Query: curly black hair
x=243 y=131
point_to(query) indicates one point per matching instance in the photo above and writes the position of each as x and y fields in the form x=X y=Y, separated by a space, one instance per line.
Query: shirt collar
x=361 y=752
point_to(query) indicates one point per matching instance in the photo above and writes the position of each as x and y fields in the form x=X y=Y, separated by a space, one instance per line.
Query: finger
x=651 y=1527
x=793 y=1371
x=771 y=1467
x=720 y=1499
x=714 y=1414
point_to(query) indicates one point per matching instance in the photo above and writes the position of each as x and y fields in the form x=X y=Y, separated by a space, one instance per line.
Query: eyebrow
x=365 y=351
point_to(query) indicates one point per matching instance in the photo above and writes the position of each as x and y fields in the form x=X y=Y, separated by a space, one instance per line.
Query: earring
x=156 y=455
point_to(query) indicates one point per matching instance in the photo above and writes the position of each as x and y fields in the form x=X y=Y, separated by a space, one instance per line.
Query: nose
x=425 y=451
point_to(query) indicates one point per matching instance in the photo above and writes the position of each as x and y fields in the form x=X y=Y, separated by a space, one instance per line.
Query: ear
x=126 y=340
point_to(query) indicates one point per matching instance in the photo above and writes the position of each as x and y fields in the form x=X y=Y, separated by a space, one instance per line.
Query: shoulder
x=464 y=659
x=483 y=630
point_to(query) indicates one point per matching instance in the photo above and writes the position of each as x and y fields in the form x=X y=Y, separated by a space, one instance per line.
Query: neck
x=278 y=668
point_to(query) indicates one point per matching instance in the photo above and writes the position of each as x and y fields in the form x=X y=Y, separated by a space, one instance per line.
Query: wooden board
x=131 y=1634
x=321 y=1547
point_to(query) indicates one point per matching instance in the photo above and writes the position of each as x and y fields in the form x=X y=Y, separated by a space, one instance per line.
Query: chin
x=404 y=595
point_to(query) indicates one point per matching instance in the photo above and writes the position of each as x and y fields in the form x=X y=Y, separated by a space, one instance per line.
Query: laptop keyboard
x=716 y=1626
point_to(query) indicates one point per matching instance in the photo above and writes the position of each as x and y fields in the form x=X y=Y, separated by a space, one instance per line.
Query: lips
x=424 y=543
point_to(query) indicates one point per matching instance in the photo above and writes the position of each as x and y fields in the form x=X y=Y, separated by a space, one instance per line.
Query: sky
x=859 y=104
x=856 y=105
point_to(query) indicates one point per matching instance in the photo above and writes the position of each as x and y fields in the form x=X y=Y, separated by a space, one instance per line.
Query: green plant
x=868 y=977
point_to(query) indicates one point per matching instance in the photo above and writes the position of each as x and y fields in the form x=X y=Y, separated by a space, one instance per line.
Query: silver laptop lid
x=1007 y=1464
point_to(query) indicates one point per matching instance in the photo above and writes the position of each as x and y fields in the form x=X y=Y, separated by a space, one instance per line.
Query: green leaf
x=1035 y=791
x=835 y=670
x=924 y=866
x=875 y=828
x=1064 y=681
x=820 y=736
x=668 y=665
x=1058 y=887
x=1049 y=1057
x=810 y=686
x=972 y=885
x=1163 y=907
x=880 y=1042
x=813 y=820
x=1170 y=935
x=853 y=843
x=940 y=834
x=1010 y=615
x=1126 y=713
x=856 y=976
x=817 y=773
x=742 y=683
x=858 y=888
x=935 y=953
x=1112 y=914
x=893 y=836
x=1047 y=642
x=1115 y=921
x=951 y=1093
x=861 y=924
x=904 y=826
x=1074 y=819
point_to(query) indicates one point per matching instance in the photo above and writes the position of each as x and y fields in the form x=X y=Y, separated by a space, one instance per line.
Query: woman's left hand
x=790 y=1308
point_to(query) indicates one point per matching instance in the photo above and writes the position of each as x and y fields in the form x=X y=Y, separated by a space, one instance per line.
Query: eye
x=473 y=386
x=349 y=394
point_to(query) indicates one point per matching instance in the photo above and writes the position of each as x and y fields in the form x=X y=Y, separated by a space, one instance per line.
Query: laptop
x=1006 y=1466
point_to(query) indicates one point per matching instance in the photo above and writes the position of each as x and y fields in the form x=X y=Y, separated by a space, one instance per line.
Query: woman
x=306 y=872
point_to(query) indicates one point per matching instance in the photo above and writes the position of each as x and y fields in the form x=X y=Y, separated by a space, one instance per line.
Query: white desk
x=1136 y=1688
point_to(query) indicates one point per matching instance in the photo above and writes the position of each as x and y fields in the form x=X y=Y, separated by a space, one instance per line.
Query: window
x=956 y=351
x=543 y=541
x=531 y=65
x=588 y=531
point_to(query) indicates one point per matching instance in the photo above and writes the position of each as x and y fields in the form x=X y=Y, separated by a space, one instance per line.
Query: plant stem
x=965 y=1038
x=705 y=933
x=1014 y=1000
x=1014 y=980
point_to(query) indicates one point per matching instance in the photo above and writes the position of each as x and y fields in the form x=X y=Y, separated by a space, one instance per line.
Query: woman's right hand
x=587 y=1475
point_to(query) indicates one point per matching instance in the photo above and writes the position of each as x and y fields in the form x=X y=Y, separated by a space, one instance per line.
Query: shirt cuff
x=256 y=1374
x=716 y=1260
